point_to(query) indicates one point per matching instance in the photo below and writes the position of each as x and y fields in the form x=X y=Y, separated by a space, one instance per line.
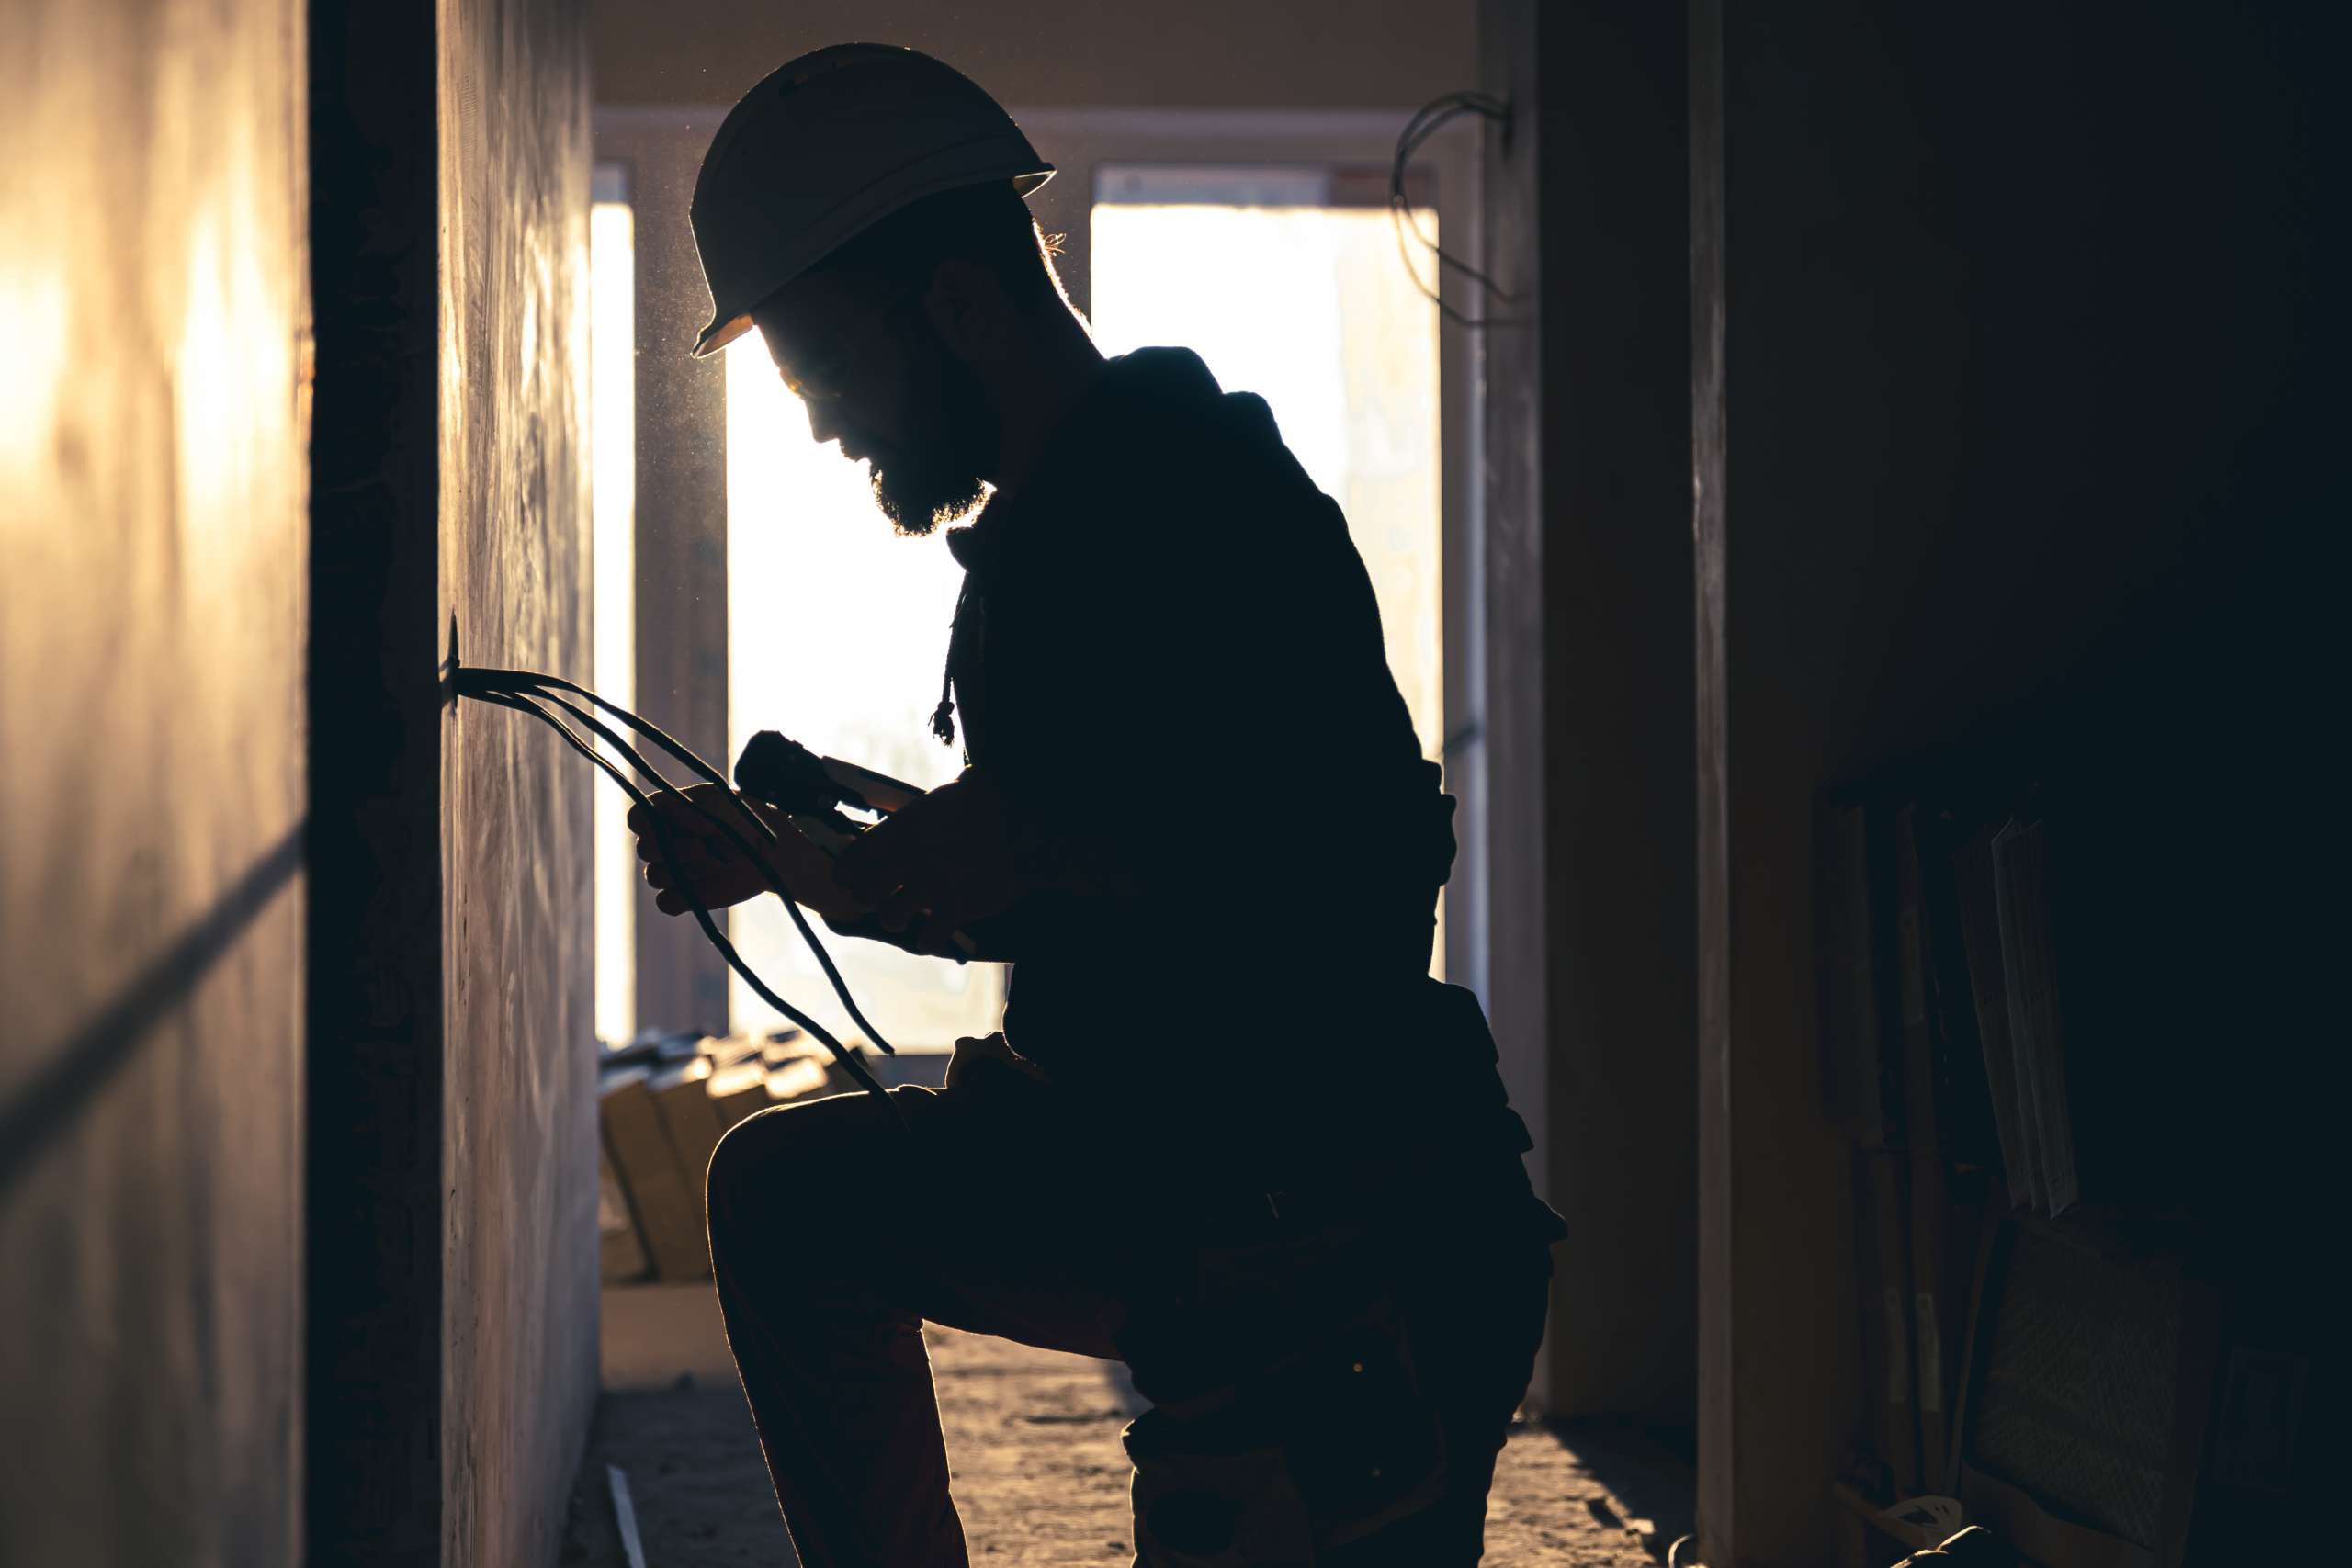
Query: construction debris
x=664 y=1102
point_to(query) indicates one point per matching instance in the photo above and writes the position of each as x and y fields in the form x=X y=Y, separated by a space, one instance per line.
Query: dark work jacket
x=1169 y=655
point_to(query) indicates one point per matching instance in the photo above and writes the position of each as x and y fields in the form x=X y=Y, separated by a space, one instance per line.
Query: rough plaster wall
x=153 y=301
x=519 y=1289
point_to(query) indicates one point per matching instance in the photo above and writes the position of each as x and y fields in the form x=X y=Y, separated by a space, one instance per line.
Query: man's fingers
x=673 y=903
x=681 y=809
x=861 y=869
x=717 y=886
x=691 y=858
x=947 y=915
x=881 y=859
x=897 y=912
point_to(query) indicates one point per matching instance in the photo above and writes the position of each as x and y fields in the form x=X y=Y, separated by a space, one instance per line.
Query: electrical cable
x=499 y=689
x=1426 y=122
x=667 y=846
x=668 y=849
x=513 y=680
x=743 y=847
x=1423 y=126
x=528 y=683
x=476 y=679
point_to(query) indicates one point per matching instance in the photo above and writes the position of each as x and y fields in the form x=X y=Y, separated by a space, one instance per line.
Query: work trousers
x=836 y=1232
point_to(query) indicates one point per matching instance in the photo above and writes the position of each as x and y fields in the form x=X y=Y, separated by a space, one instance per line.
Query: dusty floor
x=1040 y=1477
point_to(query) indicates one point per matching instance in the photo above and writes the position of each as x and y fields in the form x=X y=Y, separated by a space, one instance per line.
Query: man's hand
x=720 y=874
x=945 y=858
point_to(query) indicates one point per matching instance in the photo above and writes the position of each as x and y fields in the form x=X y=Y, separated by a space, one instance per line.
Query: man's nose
x=824 y=423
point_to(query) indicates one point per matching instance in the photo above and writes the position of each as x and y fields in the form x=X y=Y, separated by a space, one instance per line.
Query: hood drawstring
x=943 y=718
x=975 y=547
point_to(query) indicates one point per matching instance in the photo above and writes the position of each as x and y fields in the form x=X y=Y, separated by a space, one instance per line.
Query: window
x=612 y=392
x=837 y=634
x=1261 y=239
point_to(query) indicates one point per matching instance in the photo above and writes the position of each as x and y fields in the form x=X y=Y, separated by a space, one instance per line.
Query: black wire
x=478 y=681
x=471 y=679
x=1425 y=123
x=666 y=846
x=701 y=912
x=767 y=867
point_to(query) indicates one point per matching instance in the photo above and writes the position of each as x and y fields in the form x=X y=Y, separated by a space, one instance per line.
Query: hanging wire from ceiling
x=1427 y=120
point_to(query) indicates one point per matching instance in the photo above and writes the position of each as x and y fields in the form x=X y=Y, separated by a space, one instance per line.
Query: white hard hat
x=826 y=147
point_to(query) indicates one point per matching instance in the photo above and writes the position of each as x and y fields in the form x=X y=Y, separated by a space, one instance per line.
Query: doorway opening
x=1265 y=244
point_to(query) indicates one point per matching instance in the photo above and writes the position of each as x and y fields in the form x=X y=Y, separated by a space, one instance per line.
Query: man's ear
x=967 y=308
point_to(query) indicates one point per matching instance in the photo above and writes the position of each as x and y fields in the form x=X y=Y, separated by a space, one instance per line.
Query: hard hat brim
x=730 y=319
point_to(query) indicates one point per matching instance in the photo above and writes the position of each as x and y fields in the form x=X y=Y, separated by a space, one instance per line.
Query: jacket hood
x=1142 y=403
x=1151 y=385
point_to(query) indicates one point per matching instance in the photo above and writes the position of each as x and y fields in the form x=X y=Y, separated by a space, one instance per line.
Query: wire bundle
x=526 y=690
x=1426 y=122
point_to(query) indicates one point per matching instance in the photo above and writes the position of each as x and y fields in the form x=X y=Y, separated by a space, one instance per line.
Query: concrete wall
x=453 y=1271
x=519 y=1133
x=1040 y=53
x=153 y=477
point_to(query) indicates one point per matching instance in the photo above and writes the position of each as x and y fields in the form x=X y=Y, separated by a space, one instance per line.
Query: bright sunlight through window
x=611 y=391
x=837 y=631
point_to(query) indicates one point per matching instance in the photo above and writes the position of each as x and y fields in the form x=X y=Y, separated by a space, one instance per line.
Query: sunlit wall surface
x=612 y=251
x=1309 y=305
x=837 y=632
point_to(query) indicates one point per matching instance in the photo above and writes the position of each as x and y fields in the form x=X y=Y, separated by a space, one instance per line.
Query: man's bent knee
x=776 y=1161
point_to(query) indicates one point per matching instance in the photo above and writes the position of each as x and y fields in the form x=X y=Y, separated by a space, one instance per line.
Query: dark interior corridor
x=1844 y=496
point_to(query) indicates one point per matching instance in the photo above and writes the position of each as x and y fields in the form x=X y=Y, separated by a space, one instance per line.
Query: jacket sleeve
x=997 y=940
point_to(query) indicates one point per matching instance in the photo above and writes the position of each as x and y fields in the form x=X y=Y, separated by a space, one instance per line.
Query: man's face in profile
x=863 y=358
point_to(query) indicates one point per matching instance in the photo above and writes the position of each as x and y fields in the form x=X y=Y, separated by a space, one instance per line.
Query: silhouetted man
x=1231 y=1133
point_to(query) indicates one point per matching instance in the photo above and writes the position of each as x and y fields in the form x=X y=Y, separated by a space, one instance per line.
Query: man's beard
x=938 y=482
x=920 y=497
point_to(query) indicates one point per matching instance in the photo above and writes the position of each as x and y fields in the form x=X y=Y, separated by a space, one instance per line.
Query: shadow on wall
x=77 y=1070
